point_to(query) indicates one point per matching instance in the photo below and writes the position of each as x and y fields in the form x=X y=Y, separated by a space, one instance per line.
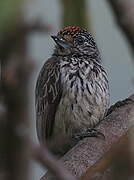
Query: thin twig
x=21 y=30
x=36 y=26
x=47 y=160
x=41 y=154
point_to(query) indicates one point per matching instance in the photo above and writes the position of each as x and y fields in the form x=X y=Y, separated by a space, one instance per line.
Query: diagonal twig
x=124 y=13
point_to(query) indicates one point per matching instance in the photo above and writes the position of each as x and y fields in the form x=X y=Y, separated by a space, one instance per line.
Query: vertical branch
x=15 y=71
x=75 y=13
x=15 y=92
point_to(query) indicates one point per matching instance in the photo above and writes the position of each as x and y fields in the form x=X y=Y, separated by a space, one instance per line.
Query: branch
x=36 y=26
x=15 y=71
x=124 y=15
x=99 y=169
x=47 y=160
x=75 y=16
x=43 y=156
x=90 y=150
x=22 y=29
x=14 y=89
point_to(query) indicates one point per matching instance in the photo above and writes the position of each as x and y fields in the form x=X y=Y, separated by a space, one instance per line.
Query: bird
x=72 y=91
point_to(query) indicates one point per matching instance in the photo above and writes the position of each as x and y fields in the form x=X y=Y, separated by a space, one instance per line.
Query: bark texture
x=90 y=150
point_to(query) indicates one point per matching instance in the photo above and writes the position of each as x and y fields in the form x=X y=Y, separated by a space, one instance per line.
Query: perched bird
x=72 y=91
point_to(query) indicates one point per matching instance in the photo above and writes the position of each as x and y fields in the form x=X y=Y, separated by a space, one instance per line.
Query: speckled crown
x=72 y=30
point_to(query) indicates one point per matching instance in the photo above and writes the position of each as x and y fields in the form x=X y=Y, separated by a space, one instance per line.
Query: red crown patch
x=71 y=30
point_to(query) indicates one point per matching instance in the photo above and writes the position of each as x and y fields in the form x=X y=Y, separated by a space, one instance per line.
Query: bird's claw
x=91 y=132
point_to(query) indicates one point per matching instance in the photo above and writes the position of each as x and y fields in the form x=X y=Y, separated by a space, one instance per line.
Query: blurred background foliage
x=75 y=13
x=10 y=12
x=91 y=14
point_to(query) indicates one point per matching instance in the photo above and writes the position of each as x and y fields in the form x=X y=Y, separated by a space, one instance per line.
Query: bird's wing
x=47 y=97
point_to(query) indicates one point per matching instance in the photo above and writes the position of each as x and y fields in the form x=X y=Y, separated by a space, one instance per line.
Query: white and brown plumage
x=72 y=93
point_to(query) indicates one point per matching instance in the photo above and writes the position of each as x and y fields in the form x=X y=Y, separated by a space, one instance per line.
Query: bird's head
x=73 y=39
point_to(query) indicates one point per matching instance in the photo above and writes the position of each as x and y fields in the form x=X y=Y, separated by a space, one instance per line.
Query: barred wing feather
x=47 y=97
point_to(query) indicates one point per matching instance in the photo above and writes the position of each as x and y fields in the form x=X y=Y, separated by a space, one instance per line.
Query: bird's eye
x=80 y=40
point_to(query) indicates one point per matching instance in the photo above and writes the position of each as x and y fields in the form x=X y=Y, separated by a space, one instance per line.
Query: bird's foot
x=90 y=132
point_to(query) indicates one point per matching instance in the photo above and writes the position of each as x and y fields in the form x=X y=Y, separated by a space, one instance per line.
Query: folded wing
x=47 y=97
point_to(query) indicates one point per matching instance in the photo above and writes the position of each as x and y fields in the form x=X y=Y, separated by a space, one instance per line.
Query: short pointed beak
x=61 y=42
